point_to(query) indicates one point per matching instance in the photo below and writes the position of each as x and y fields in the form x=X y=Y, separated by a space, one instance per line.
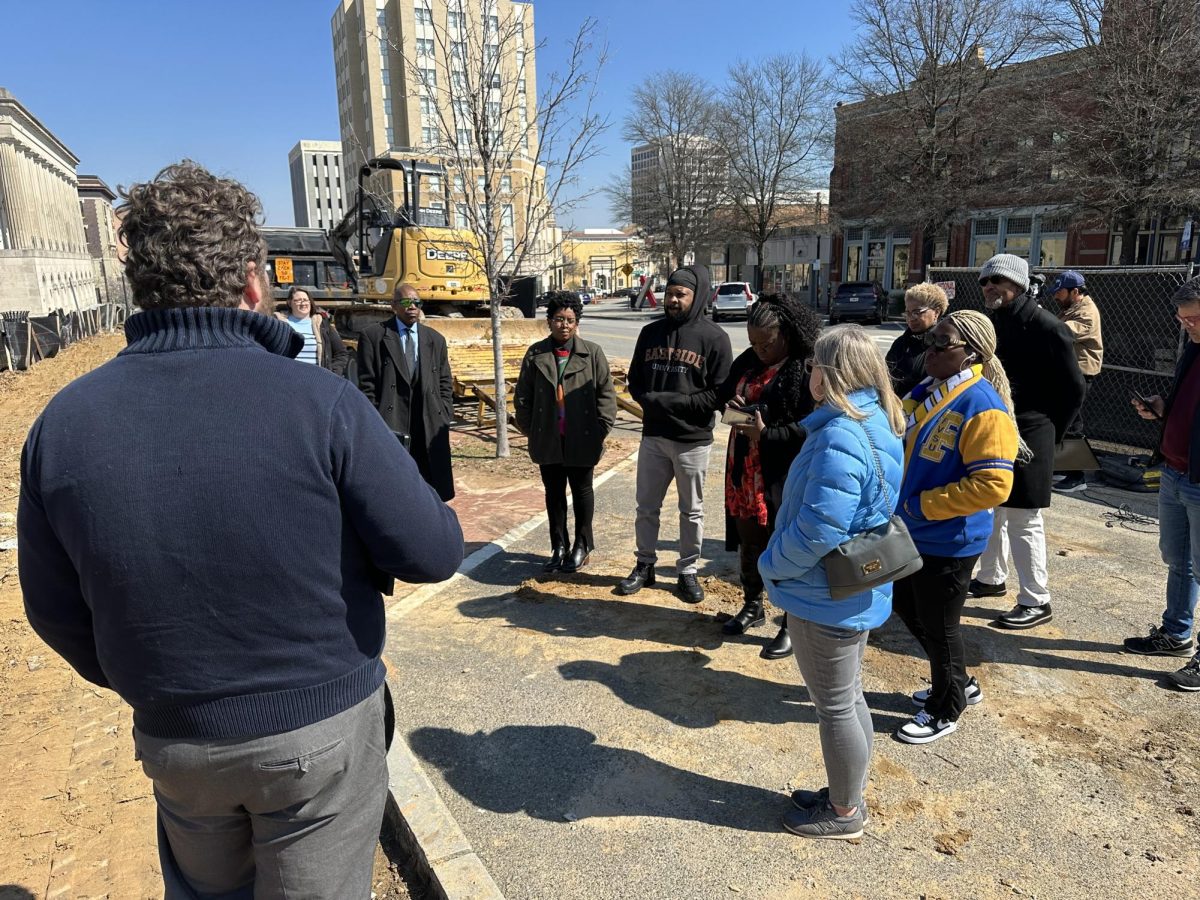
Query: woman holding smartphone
x=764 y=398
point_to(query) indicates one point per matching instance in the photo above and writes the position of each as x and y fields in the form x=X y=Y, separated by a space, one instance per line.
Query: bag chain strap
x=887 y=494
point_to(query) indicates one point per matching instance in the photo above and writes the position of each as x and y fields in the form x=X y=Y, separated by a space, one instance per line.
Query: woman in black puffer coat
x=924 y=305
x=768 y=380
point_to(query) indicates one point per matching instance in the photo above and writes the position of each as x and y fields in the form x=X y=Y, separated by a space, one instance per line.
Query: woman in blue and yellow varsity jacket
x=959 y=446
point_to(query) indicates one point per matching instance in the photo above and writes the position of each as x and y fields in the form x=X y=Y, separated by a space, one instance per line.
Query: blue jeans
x=1179 y=543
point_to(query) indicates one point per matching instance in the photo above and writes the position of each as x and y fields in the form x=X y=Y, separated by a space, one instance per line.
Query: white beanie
x=1009 y=266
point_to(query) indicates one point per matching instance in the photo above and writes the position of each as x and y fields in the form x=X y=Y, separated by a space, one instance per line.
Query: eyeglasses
x=994 y=279
x=559 y=320
x=940 y=342
x=408 y=302
x=914 y=313
x=1189 y=321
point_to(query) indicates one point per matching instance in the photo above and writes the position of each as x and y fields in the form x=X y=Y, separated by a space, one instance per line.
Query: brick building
x=1016 y=203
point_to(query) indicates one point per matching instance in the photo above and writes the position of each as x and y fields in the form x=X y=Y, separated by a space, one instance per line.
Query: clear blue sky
x=131 y=85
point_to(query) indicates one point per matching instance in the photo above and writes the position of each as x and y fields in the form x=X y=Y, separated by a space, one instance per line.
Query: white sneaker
x=923 y=729
x=974 y=694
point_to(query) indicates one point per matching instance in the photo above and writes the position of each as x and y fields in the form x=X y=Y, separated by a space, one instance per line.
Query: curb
x=429 y=833
x=422 y=822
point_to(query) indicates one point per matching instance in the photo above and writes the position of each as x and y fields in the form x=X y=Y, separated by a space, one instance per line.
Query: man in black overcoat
x=1038 y=354
x=404 y=370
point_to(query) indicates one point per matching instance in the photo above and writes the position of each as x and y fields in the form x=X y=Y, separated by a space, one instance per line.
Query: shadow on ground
x=559 y=773
x=678 y=685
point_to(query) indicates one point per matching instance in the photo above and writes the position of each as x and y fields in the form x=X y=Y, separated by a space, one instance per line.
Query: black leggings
x=930 y=603
x=555 y=478
x=752 y=541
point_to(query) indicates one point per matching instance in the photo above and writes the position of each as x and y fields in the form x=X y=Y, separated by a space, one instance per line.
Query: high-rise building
x=318 y=191
x=400 y=70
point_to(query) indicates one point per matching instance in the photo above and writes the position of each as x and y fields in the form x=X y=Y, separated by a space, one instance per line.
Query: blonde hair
x=979 y=333
x=930 y=295
x=849 y=362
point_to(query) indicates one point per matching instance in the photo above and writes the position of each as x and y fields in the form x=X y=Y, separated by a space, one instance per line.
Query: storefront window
x=899 y=265
x=876 y=260
x=984 y=250
x=853 y=262
x=1018 y=246
x=1053 y=252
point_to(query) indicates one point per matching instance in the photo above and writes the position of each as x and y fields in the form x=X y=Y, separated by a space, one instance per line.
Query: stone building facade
x=44 y=260
x=100 y=224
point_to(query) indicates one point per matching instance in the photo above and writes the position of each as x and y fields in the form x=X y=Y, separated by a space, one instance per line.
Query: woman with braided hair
x=767 y=380
x=960 y=444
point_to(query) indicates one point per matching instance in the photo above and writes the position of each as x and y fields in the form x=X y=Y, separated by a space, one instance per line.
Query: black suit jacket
x=383 y=377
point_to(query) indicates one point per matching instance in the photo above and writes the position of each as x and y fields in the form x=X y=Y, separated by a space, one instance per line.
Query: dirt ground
x=78 y=814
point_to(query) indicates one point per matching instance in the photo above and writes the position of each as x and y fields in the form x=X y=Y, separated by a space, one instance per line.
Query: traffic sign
x=627 y=270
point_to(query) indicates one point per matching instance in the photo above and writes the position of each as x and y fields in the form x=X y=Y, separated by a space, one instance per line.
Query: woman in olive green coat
x=566 y=405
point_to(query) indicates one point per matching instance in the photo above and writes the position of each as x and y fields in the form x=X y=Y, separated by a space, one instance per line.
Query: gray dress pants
x=661 y=461
x=288 y=815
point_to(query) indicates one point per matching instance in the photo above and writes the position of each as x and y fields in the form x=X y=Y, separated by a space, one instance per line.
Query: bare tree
x=513 y=154
x=673 y=196
x=1121 y=134
x=775 y=124
x=925 y=131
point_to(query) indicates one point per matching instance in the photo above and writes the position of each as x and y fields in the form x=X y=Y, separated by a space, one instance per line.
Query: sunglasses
x=913 y=313
x=559 y=320
x=940 y=342
x=406 y=302
x=994 y=279
x=1189 y=321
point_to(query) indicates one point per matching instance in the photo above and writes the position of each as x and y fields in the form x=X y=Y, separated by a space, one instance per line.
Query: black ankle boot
x=554 y=563
x=750 y=615
x=577 y=558
x=780 y=647
x=641 y=576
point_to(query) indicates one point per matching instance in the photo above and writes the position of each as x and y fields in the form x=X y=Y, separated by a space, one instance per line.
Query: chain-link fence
x=1141 y=340
x=26 y=339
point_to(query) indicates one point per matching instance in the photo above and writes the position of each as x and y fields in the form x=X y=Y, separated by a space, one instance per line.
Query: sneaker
x=1187 y=678
x=974 y=694
x=1159 y=643
x=1020 y=617
x=809 y=799
x=982 y=589
x=1071 y=484
x=924 y=729
x=824 y=823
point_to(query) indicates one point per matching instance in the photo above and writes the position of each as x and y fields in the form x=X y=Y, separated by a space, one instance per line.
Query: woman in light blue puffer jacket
x=834 y=492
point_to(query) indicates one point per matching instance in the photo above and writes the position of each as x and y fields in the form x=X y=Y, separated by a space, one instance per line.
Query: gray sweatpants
x=661 y=461
x=289 y=815
x=830 y=662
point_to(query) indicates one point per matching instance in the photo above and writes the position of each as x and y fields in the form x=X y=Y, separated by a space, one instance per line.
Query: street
x=614 y=326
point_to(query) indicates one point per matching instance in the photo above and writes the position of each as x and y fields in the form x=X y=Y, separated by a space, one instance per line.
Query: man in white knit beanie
x=1047 y=389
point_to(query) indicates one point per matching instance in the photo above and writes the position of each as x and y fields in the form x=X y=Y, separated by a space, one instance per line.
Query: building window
x=876 y=260
x=424 y=46
x=506 y=184
x=423 y=14
x=854 y=260
x=899 y=265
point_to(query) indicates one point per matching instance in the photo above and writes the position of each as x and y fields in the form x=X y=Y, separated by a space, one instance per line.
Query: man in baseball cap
x=1079 y=313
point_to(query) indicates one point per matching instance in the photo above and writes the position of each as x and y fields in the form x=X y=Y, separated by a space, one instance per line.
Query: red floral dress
x=746 y=499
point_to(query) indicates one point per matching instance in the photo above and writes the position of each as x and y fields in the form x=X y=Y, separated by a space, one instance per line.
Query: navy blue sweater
x=205 y=524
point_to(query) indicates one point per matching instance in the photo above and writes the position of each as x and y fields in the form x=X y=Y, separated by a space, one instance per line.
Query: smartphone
x=1145 y=401
x=737 y=417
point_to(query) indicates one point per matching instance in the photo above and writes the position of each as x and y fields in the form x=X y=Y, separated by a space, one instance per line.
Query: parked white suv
x=733 y=298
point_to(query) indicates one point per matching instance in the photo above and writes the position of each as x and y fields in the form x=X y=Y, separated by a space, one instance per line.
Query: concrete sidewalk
x=596 y=746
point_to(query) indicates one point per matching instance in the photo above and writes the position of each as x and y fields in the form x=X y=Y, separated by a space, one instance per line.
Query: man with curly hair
x=159 y=498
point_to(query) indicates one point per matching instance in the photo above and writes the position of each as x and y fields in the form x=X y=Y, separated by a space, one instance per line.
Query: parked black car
x=857 y=301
